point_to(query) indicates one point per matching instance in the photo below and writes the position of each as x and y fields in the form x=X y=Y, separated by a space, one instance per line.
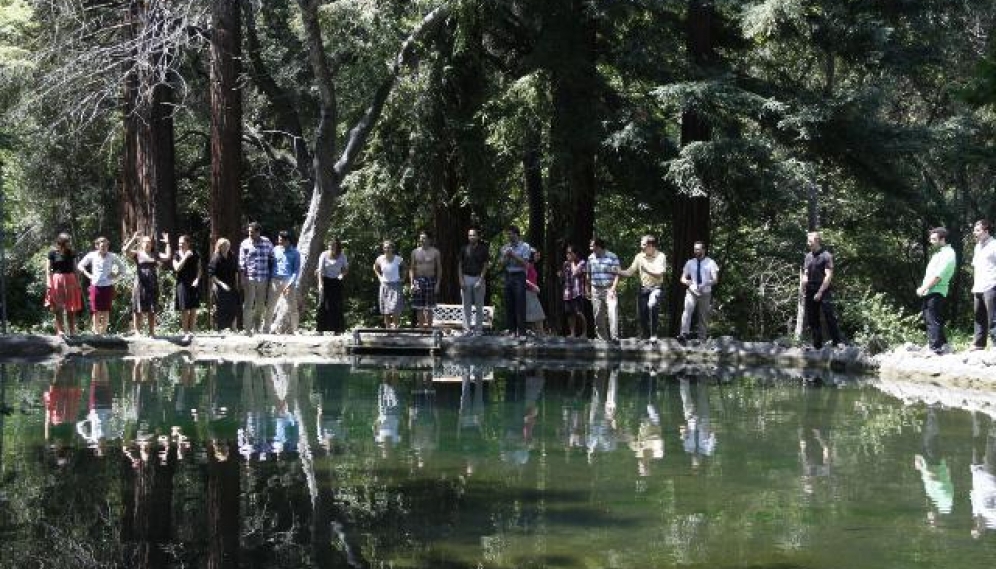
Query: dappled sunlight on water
x=172 y=463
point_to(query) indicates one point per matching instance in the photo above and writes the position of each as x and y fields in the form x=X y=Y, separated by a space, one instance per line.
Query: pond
x=174 y=463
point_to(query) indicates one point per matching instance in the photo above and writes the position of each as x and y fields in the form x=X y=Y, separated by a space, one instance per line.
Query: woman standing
x=333 y=266
x=99 y=267
x=145 y=291
x=187 y=264
x=389 y=268
x=63 y=294
x=572 y=275
x=535 y=315
x=224 y=272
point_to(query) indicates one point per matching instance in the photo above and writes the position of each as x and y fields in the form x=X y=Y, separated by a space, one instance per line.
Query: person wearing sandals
x=63 y=295
x=535 y=316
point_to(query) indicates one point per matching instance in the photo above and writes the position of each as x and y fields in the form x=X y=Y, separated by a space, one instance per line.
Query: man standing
x=817 y=272
x=603 y=276
x=514 y=257
x=255 y=260
x=426 y=268
x=984 y=284
x=472 y=267
x=281 y=304
x=700 y=274
x=650 y=264
x=940 y=269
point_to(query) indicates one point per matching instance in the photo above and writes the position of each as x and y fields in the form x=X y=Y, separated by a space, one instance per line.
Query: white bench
x=451 y=316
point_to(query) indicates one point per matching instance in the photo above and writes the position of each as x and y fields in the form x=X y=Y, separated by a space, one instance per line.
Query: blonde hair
x=222 y=242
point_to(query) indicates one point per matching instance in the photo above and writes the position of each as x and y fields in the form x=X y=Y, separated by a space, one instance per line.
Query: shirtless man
x=426 y=268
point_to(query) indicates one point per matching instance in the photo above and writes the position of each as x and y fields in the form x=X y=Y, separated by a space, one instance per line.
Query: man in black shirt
x=472 y=269
x=817 y=272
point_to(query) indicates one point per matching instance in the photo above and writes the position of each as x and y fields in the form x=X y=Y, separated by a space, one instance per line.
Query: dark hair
x=255 y=225
x=985 y=224
x=513 y=229
x=336 y=246
x=286 y=236
x=940 y=232
x=701 y=243
x=598 y=242
x=62 y=242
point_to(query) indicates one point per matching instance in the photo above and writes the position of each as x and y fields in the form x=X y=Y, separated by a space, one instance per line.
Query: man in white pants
x=700 y=274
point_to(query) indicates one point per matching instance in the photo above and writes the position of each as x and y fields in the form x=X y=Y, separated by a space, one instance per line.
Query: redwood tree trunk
x=149 y=158
x=226 y=120
x=574 y=134
x=690 y=214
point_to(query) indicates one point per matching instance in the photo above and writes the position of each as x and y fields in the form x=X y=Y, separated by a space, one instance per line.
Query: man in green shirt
x=935 y=288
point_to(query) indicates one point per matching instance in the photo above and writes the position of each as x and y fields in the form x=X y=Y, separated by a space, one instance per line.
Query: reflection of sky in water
x=503 y=464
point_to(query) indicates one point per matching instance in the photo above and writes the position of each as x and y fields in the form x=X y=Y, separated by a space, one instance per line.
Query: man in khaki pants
x=700 y=274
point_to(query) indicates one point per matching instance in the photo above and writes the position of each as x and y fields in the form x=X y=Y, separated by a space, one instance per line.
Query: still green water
x=167 y=463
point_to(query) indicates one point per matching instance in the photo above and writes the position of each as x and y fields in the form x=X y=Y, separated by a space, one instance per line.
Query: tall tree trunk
x=149 y=177
x=450 y=222
x=690 y=221
x=574 y=132
x=226 y=120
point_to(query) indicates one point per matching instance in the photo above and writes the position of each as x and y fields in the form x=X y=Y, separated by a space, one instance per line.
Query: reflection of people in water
x=423 y=419
x=388 y=421
x=648 y=445
x=470 y=416
x=697 y=436
x=62 y=404
x=572 y=413
x=983 y=477
x=283 y=380
x=602 y=416
x=97 y=427
x=331 y=381
x=934 y=468
x=521 y=397
x=815 y=434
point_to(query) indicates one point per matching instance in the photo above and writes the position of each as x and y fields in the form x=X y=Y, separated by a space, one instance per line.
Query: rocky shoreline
x=967 y=370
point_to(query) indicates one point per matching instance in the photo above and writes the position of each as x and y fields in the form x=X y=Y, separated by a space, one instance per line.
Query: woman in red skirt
x=63 y=295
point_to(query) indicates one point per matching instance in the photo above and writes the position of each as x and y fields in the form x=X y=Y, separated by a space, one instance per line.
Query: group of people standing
x=262 y=279
x=935 y=288
x=258 y=282
x=103 y=269
x=595 y=279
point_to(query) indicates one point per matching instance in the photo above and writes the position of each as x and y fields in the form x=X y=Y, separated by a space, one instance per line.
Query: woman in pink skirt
x=63 y=295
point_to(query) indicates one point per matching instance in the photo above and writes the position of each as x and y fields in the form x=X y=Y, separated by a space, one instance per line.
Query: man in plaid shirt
x=255 y=263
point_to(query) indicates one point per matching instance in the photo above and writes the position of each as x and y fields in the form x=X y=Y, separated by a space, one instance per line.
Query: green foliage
x=878 y=323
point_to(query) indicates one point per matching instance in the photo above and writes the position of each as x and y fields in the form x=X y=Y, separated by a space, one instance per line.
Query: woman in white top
x=389 y=268
x=99 y=266
x=332 y=269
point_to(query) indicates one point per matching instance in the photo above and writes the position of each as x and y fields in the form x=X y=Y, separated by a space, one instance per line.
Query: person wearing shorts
x=424 y=272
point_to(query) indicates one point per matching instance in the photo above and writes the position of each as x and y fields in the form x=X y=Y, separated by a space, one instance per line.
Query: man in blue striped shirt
x=603 y=276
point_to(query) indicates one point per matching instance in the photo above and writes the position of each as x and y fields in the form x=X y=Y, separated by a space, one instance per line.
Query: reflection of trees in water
x=500 y=469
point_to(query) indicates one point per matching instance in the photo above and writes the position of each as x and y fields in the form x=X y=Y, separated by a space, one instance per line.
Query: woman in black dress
x=187 y=264
x=224 y=272
x=145 y=290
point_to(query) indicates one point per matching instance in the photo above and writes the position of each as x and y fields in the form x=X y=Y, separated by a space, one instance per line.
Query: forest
x=743 y=124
